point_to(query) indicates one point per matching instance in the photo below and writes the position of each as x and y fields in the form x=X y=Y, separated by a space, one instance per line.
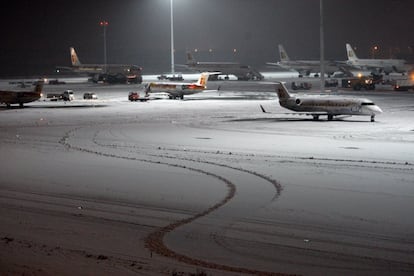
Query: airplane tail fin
x=282 y=91
x=282 y=53
x=39 y=86
x=350 y=52
x=202 y=81
x=74 y=57
x=190 y=59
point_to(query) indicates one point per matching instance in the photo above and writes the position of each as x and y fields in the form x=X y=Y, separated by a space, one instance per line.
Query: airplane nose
x=375 y=109
x=379 y=110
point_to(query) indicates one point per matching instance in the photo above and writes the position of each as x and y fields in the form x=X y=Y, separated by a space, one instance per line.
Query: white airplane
x=178 y=89
x=241 y=71
x=304 y=67
x=326 y=105
x=379 y=65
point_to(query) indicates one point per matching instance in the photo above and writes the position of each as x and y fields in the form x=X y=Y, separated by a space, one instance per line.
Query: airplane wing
x=273 y=63
x=280 y=66
x=295 y=113
x=183 y=66
x=63 y=68
x=158 y=96
x=194 y=69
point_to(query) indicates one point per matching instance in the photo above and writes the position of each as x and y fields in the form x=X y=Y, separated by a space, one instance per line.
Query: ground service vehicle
x=301 y=86
x=403 y=85
x=56 y=82
x=67 y=95
x=90 y=96
x=331 y=83
x=134 y=96
x=359 y=83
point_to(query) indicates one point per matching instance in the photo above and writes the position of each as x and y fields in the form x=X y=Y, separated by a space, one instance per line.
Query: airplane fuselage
x=21 y=97
x=308 y=66
x=111 y=73
x=241 y=71
x=331 y=105
x=178 y=89
x=388 y=65
x=10 y=97
x=326 y=105
x=175 y=89
x=109 y=69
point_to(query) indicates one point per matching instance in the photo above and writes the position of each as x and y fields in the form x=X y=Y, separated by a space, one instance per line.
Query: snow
x=309 y=197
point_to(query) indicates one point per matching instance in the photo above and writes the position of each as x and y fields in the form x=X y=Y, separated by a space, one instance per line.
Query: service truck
x=404 y=84
x=66 y=95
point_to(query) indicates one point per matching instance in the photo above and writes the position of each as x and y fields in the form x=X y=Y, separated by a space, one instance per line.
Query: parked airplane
x=178 y=89
x=376 y=65
x=111 y=73
x=304 y=67
x=241 y=71
x=21 y=97
x=326 y=106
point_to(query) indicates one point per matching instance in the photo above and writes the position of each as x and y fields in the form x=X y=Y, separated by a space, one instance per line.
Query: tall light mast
x=172 y=38
x=104 y=24
x=322 y=46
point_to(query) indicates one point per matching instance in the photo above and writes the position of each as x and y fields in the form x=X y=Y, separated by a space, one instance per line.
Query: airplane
x=177 y=89
x=21 y=97
x=304 y=67
x=329 y=106
x=110 y=73
x=241 y=71
x=378 y=65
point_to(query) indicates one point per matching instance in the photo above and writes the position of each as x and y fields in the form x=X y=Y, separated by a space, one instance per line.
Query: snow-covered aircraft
x=110 y=73
x=178 y=89
x=326 y=105
x=21 y=97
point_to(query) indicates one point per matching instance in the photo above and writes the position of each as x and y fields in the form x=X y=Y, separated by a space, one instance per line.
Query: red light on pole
x=104 y=24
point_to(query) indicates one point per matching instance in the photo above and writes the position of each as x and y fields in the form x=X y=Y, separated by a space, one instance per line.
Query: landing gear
x=315 y=117
x=176 y=97
x=330 y=117
x=372 y=118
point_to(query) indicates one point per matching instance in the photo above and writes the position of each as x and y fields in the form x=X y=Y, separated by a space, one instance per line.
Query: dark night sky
x=36 y=35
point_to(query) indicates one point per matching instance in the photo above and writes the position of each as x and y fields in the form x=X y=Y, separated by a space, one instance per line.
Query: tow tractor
x=361 y=82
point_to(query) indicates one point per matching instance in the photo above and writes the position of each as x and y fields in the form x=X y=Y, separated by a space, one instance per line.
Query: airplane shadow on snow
x=287 y=120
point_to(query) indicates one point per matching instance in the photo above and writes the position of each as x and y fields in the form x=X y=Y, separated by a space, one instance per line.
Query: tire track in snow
x=155 y=241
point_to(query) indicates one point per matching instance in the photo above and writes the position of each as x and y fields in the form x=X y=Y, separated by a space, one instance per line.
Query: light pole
x=172 y=38
x=322 y=47
x=104 y=24
x=373 y=51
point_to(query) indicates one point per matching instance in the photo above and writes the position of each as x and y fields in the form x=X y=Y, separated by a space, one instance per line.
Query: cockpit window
x=367 y=104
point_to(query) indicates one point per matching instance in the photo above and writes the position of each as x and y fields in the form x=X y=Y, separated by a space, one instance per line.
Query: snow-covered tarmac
x=211 y=183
